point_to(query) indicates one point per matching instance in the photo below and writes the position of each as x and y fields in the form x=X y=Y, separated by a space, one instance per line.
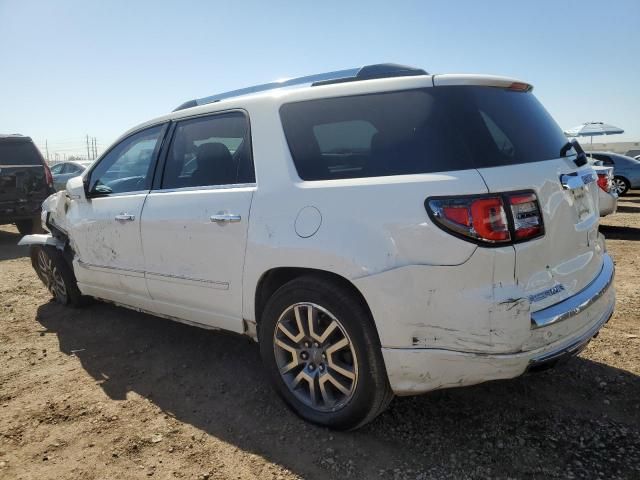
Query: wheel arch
x=274 y=278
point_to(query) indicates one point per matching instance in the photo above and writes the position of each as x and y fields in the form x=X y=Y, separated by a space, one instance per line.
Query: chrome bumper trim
x=574 y=347
x=579 y=302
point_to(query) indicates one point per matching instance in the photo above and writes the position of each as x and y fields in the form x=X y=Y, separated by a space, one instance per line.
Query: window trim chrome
x=231 y=186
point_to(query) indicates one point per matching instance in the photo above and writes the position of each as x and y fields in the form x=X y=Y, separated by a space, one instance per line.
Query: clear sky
x=69 y=68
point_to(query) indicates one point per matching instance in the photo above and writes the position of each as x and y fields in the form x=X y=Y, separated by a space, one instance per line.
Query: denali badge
x=547 y=293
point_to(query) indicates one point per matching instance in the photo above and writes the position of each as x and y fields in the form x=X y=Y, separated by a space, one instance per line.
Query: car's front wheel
x=56 y=275
x=322 y=352
x=620 y=186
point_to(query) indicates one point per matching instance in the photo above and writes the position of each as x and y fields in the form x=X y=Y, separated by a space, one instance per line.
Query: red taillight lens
x=484 y=218
x=527 y=221
x=481 y=218
x=47 y=175
x=458 y=214
x=603 y=182
x=490 y=220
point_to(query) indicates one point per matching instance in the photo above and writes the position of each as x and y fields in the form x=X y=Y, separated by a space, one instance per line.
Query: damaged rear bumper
x=418 y=370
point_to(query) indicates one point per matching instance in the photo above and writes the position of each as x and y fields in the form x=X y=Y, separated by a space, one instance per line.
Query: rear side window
x=209 y=151
x=19 y=153
x=606 y=160
x=418 y=131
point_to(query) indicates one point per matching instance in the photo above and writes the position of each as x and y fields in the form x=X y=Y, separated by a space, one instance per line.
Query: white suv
x=378 y=231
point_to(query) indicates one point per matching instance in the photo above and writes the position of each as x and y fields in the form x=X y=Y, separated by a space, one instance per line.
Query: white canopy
x=592 y=129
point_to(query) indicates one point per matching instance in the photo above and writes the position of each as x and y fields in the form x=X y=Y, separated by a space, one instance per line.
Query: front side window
x=209 y=151
x=128 y=166
x=418 y=131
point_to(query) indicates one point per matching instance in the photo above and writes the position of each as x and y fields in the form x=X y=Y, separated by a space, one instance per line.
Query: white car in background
x=378 y=231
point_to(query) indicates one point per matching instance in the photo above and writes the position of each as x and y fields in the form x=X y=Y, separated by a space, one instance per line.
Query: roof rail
x=368 y=72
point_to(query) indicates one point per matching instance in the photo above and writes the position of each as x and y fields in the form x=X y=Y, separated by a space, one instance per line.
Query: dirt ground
x=106 y=393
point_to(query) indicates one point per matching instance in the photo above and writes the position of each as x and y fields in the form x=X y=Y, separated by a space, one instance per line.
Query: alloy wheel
x=51 y=277
x=618 y=186
x=315 y=357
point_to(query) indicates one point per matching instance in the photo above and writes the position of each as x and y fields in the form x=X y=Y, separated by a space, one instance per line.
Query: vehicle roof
x=84 y=163
x=611 y=154
x=278 y=96
x=14 y=138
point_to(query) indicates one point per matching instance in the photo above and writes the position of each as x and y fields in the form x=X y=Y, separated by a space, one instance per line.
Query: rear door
x=194 y=224
x=516 y=145
x=23 y=182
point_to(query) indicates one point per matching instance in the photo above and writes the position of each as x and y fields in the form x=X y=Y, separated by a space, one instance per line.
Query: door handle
x=125 y=217
x=225 y=218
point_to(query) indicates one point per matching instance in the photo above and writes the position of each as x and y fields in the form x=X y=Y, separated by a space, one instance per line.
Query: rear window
x=19 y=153
x=418 y=131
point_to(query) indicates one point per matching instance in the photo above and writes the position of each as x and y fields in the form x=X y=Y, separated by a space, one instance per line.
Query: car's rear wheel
x=620 y=186
x=319 y=345
x=56 y=275
x=29 y=226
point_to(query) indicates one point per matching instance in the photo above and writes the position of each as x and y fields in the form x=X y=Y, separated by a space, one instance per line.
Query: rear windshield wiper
x=581 y=157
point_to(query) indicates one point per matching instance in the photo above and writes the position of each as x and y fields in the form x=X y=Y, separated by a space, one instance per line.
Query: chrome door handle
x=225 y=217
x=125 y=217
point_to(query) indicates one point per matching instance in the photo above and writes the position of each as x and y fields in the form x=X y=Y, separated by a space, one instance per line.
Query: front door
x=105 y=228
x=194 y=225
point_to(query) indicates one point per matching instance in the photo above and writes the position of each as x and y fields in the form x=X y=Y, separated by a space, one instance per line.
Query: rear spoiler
x=482 y=81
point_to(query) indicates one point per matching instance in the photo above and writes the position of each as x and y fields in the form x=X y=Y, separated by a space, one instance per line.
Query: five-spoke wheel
x=51 y=277
x=619 y=186
x=315 y=356
x=320 y=347
x=56 y=274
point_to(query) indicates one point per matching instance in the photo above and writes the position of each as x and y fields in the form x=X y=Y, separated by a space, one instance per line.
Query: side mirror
x=76 y=189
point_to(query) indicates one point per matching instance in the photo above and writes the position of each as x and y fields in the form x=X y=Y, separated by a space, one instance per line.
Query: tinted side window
x=128 y=166
x=57 y=169
x=418 y=131
x=19 y=153
x=209 y=151
x=606 y=160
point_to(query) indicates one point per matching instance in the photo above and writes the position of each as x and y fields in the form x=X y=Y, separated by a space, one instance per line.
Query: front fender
x=42 y=239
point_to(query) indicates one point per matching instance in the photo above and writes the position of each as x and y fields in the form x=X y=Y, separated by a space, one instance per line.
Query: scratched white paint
x=448 y=313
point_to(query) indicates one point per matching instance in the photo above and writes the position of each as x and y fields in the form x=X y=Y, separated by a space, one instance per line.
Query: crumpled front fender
x=42 y=239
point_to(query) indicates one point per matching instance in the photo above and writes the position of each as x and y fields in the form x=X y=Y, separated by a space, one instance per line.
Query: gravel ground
x=103 y=392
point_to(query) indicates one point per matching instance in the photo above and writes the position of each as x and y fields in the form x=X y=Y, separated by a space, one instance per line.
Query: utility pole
x=46 y=145
x=95 y=148
x=88 y=156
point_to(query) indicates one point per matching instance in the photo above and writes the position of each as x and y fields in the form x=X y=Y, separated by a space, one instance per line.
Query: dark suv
x=25 y=181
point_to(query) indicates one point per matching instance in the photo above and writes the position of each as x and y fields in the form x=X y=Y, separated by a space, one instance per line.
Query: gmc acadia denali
x=379 y=231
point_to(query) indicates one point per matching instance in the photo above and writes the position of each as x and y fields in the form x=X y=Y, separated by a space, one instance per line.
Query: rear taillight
x=485 y=219
x=527 y=220
x=47 y=175
x=604 y=182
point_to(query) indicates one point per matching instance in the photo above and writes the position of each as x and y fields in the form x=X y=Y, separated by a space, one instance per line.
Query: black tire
x=29 y=226
x=56 y=275
x=623 y=185
x=370 y=392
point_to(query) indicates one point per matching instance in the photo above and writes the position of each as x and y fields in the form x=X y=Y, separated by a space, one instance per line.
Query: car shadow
x=216 y=383
x=628 y=209
x=618 y=232
x=9 y=248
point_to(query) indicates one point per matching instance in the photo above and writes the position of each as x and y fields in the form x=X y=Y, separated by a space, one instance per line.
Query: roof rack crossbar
x=368 y=72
